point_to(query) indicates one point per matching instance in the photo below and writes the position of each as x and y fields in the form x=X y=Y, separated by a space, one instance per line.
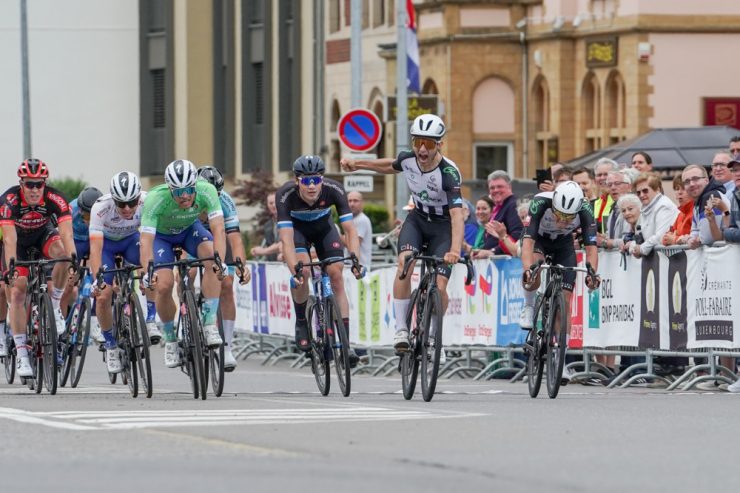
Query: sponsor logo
x=535 y=205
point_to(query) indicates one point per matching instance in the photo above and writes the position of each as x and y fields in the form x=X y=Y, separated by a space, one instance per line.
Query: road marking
x=126 y=420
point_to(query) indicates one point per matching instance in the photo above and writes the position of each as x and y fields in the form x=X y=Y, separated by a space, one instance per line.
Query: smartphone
x=543 y=175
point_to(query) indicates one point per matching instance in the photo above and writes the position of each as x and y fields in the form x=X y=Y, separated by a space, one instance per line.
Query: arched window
x=335 y=150
x=375 y=103
x=591 y=112
x=429 y=87
x=546 y=149
x=615 y=107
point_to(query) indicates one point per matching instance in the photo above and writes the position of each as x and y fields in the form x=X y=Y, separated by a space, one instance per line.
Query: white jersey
x=107 y=222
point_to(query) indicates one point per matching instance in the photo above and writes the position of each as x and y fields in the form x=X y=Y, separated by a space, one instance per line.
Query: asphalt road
x=272 y=431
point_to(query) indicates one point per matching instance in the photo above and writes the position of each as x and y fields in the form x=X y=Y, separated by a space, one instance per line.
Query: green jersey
x=162 y=215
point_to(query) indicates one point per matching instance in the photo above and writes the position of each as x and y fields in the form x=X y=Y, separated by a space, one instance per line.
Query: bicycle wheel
x=215 y=361
x=81 y=341
x=534 y=350
x=431 y=344
x=48 y=341
x=409 y=363
x=9 y=360
x=556 y=344
x=319 y=364
x=66 y=344
x=194 y=340
x=339 y=341
x=127 y=350
x=140 y=345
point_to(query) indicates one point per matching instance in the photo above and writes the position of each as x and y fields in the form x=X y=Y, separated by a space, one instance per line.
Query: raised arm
x=383 y=166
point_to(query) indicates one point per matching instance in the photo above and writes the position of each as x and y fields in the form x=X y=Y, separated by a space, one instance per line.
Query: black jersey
x=30 y=219
x=291 y=207
x=436 y=191
x=544 y=224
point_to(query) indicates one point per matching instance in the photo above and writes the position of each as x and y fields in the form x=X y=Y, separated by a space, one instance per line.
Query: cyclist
x=437 y=219
x=234 y=249
x=554 y=218
x=304 y=219
x=114 y=229
x=170 y=218
x=3 y=308
x=80 y=208
x=27 y=217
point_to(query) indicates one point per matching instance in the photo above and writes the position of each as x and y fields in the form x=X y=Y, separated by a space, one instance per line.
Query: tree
x=255 y=192
x=70 y=187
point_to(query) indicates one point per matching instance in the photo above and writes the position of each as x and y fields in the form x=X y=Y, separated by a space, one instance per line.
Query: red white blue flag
x=412 y=50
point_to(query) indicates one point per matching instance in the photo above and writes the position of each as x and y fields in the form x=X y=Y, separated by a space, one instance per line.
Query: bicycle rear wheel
x=215 y=362
x=431 y=344
x=409 y=364
x=556 y=344
x=534 y=350
x=80 y=338
x=339 y=340
x=140 y=344
x=48 y=341
x=127 y=349
x=316 y=335
x=9 y=360
x=194 y=340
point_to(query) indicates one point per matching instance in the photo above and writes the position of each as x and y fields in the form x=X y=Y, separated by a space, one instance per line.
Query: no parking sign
x=359 y=130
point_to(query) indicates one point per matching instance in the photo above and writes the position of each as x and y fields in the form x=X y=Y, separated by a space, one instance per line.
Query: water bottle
x=326 y=285
x=87 y=285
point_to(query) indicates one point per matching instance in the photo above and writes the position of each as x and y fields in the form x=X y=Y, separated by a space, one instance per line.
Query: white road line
x=28 y=417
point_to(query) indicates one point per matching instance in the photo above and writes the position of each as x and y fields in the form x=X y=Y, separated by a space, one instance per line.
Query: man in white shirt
x=363 y=226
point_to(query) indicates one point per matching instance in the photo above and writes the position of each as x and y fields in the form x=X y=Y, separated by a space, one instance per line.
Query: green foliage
x=378 y=215
x=255 y=191
x=247 y=240
x=70 y=187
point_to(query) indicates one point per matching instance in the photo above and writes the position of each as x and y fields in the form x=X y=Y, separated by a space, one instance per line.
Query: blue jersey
x=231 y=219
x=79 y=228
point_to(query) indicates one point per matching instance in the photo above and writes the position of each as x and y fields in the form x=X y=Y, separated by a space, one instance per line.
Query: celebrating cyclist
x=114 y=230
x=554 y=217
x=27 y=216
x=169 y=219
x=437 y=218
x=304 y=219
x=234 y=250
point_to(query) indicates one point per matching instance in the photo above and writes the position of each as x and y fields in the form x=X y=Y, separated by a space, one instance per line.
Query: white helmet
x=125 y=186
x=429 y=125
x=180 y=174
x=568 y=198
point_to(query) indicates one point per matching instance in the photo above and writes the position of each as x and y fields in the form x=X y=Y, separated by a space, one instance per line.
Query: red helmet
x=33 y=168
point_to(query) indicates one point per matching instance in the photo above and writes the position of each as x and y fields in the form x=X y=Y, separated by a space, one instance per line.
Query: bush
x=255 y=192
x=378 y=215
x=70 y=187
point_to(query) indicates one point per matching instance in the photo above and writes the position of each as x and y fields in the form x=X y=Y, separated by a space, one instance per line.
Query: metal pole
x=24 y=83
x=525 y=97
x=402 y=124
x=356 y=53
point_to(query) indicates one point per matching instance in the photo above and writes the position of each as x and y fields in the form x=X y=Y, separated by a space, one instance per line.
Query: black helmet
x=308 y=165
x=87 y=198
x=212 y=175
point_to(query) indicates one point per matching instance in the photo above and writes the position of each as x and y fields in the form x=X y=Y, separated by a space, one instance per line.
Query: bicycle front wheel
x=194 y=342
x=140 y=345
x=319 y=364
x=409 y=362
x=534 y=350
x=216 y=361
x=9 y=360
x=339 y=339
x=556 y=344
x=81 y=339
x=431 y=346
x=48 y=341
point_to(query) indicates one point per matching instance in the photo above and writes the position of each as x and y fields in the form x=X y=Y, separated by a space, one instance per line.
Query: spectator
x=523 y=211
x=629 y=206
x=682 y=226
x=585 y=179
x=482 y=244
x=731 y=221
x=705 y=225
x=269 y=249
x=547 y=185
x=504 y=210
x=471 y=225
x=363 y=226
x=562 y=175
x=721 y=172
x=605 y=201
x=735 y=147
x=656 y=215
x=642 y=162
x=619 y=184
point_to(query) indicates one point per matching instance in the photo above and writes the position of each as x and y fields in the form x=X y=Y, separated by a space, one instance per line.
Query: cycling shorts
x=34 y=246
x=435 y=233
x=128 y=247
x=322 y=235
x=562 y=252
x=188 y=239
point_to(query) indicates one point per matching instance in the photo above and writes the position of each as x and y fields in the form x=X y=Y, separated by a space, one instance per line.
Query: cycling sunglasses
x=430 y=144
x=563 y=216
x=311 y=180
x=34 y=184
x=131 y=204
x=179 y=192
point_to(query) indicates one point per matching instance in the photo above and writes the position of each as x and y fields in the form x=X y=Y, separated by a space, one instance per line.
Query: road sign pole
x=402 y=124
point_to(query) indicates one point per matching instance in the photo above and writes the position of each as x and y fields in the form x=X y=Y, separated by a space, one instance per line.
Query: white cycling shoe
x=23 y=367
x=95 y=331
x=526 y=317
x=213 y=338
x=155 y=334
x=401 y=340
x=61 y=323
x=113 y=360
x=171 y=355
x=229 y=360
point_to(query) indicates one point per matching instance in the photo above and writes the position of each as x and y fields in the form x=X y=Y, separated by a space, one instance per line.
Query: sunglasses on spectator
x=131 y=204
x=430 y=144
x=719 y=165
x=34 y=184
x=307 y=181
x=693 y=179
x=614 y=183
x=179 y=192
x=563 y=217
x=642 y=191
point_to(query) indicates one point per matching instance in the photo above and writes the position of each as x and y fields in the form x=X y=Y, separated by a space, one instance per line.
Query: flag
x=412 y=50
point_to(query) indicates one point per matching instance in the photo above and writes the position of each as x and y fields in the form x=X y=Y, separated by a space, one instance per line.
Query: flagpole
x=356 y=53
x=402 y=124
